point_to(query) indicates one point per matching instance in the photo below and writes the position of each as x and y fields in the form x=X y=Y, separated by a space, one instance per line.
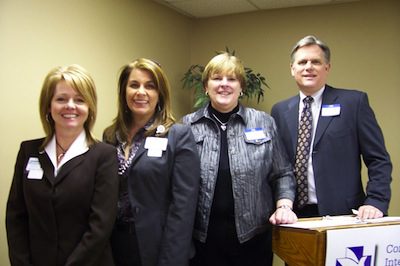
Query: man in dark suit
x=343 y=131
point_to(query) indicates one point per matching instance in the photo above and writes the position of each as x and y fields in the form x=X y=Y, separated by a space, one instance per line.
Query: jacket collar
x=203 y=113
x=328 y=97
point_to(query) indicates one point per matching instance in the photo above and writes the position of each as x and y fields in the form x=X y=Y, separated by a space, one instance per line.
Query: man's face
x=310 y=69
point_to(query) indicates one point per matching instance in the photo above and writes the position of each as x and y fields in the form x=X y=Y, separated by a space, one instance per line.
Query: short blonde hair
x=225 y=63
x=79 y=79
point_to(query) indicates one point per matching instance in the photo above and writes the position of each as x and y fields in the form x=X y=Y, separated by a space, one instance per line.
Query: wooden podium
x=306 y=247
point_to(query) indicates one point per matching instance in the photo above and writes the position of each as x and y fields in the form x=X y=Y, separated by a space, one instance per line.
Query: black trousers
x=124 y=245
x=309 y=210
x=222 y=248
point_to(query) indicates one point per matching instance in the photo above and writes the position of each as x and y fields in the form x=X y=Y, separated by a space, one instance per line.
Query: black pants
x=227 y=251
x=124 y=245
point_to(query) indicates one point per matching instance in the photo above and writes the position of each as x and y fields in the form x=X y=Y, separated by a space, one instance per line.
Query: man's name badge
x=155 y=146
x=255 y=134
x=330 y=110
x=34 y=169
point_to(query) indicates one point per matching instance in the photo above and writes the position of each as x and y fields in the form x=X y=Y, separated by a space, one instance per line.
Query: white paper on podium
x=332 y=221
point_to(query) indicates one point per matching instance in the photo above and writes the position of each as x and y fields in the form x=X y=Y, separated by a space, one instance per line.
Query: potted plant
x=192 y=81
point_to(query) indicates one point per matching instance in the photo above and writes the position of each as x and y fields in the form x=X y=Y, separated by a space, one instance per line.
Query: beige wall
x=103 y=35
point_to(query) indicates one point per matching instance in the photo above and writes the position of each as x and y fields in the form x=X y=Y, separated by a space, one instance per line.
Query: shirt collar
x=316 y=96
x=141 y=131
x=78 y=147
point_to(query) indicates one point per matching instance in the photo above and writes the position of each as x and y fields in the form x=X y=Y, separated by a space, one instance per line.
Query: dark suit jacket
x=163 y=193
x=63 y=220
x=340 y=142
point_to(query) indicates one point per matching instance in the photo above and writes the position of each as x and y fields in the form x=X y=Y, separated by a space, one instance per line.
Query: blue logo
x=355 y=257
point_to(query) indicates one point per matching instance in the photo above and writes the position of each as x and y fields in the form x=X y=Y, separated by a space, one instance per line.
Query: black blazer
x=339 y=144
x=63 y=220
x=163 y=194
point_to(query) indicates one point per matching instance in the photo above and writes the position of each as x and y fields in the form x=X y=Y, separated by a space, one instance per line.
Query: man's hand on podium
x=368 y=212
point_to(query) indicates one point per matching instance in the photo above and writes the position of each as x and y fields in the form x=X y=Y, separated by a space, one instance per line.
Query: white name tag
x=155 y=146
x=330 y=110
x=255 y=134
x=35 y=174
x=34 y=169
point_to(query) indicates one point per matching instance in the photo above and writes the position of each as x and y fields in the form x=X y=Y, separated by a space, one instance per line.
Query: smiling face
x=141 y=94
x=310 y=69
x=68 y=109
x=224 y=91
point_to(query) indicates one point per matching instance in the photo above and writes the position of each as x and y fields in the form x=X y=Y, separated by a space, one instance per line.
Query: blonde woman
x=246 y=178
x=62 y=202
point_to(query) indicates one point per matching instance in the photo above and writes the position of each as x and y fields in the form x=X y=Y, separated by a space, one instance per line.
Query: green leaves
x=254 y=85
x=192 y=81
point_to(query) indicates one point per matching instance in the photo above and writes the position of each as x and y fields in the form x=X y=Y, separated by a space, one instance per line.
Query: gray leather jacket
x=261 y=173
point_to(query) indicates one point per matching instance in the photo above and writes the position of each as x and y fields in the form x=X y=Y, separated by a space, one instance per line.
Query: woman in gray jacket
x=246 y=178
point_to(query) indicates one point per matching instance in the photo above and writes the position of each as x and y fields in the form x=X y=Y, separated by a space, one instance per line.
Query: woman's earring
x=206 y=93
x=241 y=94
x=48 y=118
x=158 y=107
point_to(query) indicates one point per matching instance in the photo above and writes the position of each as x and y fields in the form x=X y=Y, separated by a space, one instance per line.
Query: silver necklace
x=223 y=125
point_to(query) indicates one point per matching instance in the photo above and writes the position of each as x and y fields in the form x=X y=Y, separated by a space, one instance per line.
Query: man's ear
x=291 y=70
x=328 y=67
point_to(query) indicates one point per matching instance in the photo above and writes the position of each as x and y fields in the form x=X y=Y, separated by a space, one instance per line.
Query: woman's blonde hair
x=225 y=63
x=79 y=79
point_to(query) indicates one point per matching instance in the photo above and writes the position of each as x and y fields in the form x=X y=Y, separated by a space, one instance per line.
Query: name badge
x=34 y=169
x=255 y=134
x=330 y=110
x=155 y=146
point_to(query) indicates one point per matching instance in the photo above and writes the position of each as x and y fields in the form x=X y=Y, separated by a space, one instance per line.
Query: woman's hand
x=283 y=213
x=283 y=216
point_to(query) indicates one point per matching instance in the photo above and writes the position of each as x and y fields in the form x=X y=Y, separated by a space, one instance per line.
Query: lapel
x=47 y=166
x=139 y=153
x=328 y=97
x=292 y=120
x=69 y=166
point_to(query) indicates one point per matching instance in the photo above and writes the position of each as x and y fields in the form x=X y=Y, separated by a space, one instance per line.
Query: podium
x=307 y=246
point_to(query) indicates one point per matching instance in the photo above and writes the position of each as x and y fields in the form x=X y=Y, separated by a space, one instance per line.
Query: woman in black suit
x=62 y=202
x=159 y=172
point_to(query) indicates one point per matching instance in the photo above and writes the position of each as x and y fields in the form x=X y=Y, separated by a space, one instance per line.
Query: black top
x=222 y=210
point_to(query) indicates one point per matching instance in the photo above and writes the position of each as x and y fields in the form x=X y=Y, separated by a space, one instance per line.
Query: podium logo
x=354 y=256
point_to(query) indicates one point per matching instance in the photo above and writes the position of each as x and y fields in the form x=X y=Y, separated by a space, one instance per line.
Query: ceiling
x=212 y=8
